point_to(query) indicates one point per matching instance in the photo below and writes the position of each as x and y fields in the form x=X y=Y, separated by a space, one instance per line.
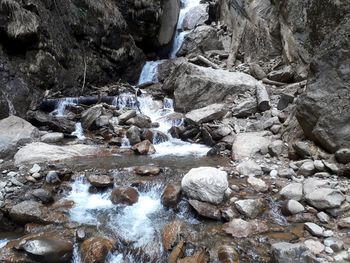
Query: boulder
x=307 y=169
x=52 y=137
x=293 y=207
x=245 y=109
x=196 y=16
x=146 y=170
x=55 y=123
x=100 y=181
x=126 y=116
x=124 y=196
x=208 y=86
x=42 y=153
x=250 y=208
x=292 y=191
x=205 y=210
x=133 y=134
x=15 y=132
x=43 y=195
x=343 y=155
x=141 y=121
x=207 y=114
x=144 y=148
x=89 y=116
x=171 y=195
x=324 y=198
x=284 y=252
x=276 y=148
x=249 y=168
x=171 y=234
x=96 y=249
x=257 y=184
x=284 y=74
x=239 y=228
x=206 y=184
x=27 y=212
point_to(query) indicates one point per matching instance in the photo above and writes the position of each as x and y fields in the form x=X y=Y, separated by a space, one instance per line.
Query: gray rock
x=35 y=169
x=207 y=114
x=144 y=148
x=258 y=184
x=275 y=128
x=27 y=212
x=126 y=116
x=205 y=209
x=323 y=217
x=141 y=121
x=324 y=198
x=270 y=122
x=343 y=155
x=332 y=167
x=257 y=71
x=302 y=149
x=249 y=168
x=43 y=195
x=311 y=184
x=315 y=246
x=52 y=137
x=103 y=121
x=292 y=191
x=276 y=148
x=284 y=252
x=285 y=100
x=294 y=207
x=250 y=208
x=307 y=169
x=286 y=173
x=206 y=184
x=196 y=16
x=319 y=165
x=284 y=75
x=314 y=229
x=52 y=177
x=245 y=109
x=239 y=228
x=89 y=116
x=133 y=134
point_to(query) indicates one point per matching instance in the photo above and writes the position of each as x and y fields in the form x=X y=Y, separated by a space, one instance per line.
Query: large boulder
x=196 y=16
x=39 y=152
x=206 y=184
x=208 y=86
x=284 y=252
x=14 y=132
x=207 y=114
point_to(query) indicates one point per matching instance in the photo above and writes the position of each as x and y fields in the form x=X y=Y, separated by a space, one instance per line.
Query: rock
x=43 y=153
x=209 y=86
x=202 y=38
x=124 y=196
x=47 y=247
x=56 y=123
x=27 y=212
x=286 y=173
x=133 y=134
x=196 y=16
x=344 y=171
x=207 y=114
x=171 y=195
x=323 y=217
x=89 y=116
x=332 y=167
x=315 y=246
x=96 y=249
x=292 y=191
x=324 y=198
x=52 y=137
x=302 y=149
x=248 y=144
x=343 y=155
x=227 y=254
x=250 y=208
x=126 y=116
x=245 y=109
x=314 y=229
x=15 y=132
x=257 y=71
x=284 y=252
x=319 y=165
x=52 y=177
x=239 y=228
x=35 y=169
x=293 y=207
x=206 y=184
x=275 y=128
x=144 y=148
x=284 y=75
x=171 y=234
x=307 y=169
x=141 y=121
x=205 y=209
x=276 y=148
x=258 y=184
x=43 y=195
x=285 y=100
x=146 y=170
x=311 y=184
x=100 y=181
x=201 y=255
x=344 y=223
x=249 y=168
x=336 y=244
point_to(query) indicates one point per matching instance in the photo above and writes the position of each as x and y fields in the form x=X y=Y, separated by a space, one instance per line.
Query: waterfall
x=63 y=103
x=79 y=132
x=149 y=72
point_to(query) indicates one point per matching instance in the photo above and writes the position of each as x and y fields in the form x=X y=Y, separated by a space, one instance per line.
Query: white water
x=3 y=242
x=63 y=103
x=79 y=132
x=149 y=72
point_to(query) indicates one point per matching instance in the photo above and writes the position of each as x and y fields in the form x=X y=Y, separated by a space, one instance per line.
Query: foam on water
x=63 y=103
x=3 y=242
x=149 y=72
x=79 y=132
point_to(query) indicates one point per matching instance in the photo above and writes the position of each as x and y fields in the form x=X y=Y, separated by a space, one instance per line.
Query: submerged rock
x=171 y=234
x=171 y=195
x=206 y=184
x=205 y=209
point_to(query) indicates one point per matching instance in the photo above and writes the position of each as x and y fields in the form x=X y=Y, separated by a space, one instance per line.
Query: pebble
x=314 y=229
x=323 y=217
x=12 y=174
x=35 y=169
x=36 y=175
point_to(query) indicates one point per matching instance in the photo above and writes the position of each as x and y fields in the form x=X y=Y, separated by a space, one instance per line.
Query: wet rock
x=171 y=195
x=200 y=256
x=14 y=132
x=245 y=109
x=292 y=191
x=343 y=155
x=55 y=123
x=249 y=168
x=43 y=195
x=206 y=184
x=133 y=134
x=96 y=249
x=205 y=209
x=307 y=169
x=314 y=229
x=52 y=177
x=208 y=86
x=207 y=114
x=141 y=121
x=124 y=196
x=250 y=208
x=171 y=234
x=324 y=198
x=227 y=254
x=89 y=116
x=41 y=152
x=258 y=184
x=100 y=181
x=276 y=148
x=196 y=16
x=52 y=137
x=239 y=228
x=27 y=212
x=126 y=116
x=144 y=148
x=146 y=170
x=177 y=252
x=47 y=247
x=315 y=246
x=293 y=207
x=284 y=252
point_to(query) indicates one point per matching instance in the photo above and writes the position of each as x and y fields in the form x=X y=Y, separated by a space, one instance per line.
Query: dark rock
x=43 y=195
x=133 y=134
x=171 y=195
x=89 y=117
x=205 y=209
x=285 y=100
x=206 y=137
x=125 y=196
x=100 y=181
x=284 y=75
x=141 y=121
x=55 y=123
x=52 y=177
x=146 y=170
x=343 y=155
x=144 y=148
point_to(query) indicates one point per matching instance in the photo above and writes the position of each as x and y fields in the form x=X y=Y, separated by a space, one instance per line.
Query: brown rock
x=205 y=209
x=100 y=180
x=171 y=234
x=227 y=254
x=241 y=228
x=171 y=195
x=177 y=252
x=147 y=170
x=96 y=249
x=125 y=196
x=143 y=148
x=201 y=256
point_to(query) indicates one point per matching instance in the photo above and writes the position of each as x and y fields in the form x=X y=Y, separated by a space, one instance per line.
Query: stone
x=52 y=137
x=96 y=249
x=144 y=148
x=171 y=234
x=325 y=198
x=102 y=121
x=43 y=195
x=286 y=173
x=314 y=229
x=39 y=152
x=307 y=169
x=311 y=184
x=336 y=244
x=275 y=128
x=257 y=71
x=284 y=74
x=52 y=177
x=141 y=121
x=36 y=175
x=292 y=191
x=100 y=181
x=319 y=165
x=15 y=132
x=126 y=116
x=323 y=217
x=293 y=207
x=89 y=116
x=209 y=86
x=196 y=16
x=124 y=196
x=302 y=149
x=134 y=135
x=276 y=148
x=35 y=169
x=344 y=222
x=205 y=209
x=284 y=252
x=250 y=208
x=258 y=184
x=284 y=101
x=245 y=109
x=206 y=184
x=249 y=144
x=343 y=155
x=332 y=167
x=240 y=228
x=315 y=246
x=56 y=123
x=171 y=195
x=146 y=170
x=207 y=114
x=227 y=253
x=249 y=168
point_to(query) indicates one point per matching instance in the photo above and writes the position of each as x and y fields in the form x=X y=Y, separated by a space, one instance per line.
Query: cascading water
x=3 y=242
x=149 y=72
